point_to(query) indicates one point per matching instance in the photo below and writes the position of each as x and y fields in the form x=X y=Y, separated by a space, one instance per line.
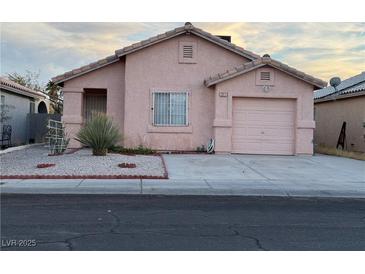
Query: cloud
x=321 y=49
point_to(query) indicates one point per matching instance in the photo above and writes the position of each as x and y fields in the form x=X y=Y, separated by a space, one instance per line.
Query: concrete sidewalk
x=302 y=188
x=243 y=175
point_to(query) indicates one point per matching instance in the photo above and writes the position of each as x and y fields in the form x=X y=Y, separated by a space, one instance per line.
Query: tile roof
x=187 y=28
x=84 y=69
x=260 y=62
x=350 y=85
x=7 y=84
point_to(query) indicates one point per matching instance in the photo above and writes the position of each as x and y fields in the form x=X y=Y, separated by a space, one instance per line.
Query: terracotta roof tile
x=188 y=27
x=5 y=83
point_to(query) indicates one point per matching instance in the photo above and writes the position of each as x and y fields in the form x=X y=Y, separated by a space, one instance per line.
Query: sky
x=323 y=50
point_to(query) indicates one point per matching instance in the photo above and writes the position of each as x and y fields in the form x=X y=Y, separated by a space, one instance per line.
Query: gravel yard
x=80 y=163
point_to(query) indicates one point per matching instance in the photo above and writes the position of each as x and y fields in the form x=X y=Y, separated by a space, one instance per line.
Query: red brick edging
x=165 y=175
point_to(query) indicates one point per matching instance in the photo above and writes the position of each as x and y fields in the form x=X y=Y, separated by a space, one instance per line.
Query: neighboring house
x=178 y=89
x=22 y=101
x=333 y=106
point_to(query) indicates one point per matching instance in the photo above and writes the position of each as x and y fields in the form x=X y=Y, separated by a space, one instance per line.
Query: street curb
x=168 y=192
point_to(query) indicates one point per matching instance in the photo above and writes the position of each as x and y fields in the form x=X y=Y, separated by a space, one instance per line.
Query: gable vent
x=265 y=75
x=188 y=51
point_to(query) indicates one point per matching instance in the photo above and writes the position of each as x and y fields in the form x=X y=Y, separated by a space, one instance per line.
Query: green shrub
x=201 y=149
x=100 y=134
x=138 y=150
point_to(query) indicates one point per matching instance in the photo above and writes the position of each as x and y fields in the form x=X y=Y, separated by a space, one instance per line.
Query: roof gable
x=187 y=28
x=260 y=62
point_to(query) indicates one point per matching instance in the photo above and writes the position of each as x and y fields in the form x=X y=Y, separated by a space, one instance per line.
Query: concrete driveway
x=318 y=175
x=248 y=167
x=246 y=175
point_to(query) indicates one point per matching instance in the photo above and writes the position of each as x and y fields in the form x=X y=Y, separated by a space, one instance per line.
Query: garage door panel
x=264 y=133
x=263 y=126
x=265 y=118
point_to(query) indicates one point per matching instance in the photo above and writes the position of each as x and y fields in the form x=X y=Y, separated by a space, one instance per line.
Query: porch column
x=222 y=123
x=72 y=113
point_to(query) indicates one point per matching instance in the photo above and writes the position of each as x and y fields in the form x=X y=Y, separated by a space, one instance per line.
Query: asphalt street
x=136 y=222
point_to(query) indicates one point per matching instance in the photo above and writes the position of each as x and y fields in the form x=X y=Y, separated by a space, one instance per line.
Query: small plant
x=45 y=165
x=133 y=151
x=100 y=134
x=201 y=149
x=127 y=165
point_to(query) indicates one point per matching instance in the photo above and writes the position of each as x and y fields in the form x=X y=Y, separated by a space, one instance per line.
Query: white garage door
x=263 y=126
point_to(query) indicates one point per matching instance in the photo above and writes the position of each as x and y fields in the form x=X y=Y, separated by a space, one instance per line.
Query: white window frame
x=187 y=94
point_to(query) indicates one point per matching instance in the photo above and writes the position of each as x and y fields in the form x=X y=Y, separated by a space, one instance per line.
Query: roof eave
x=314 y=83
x=221 y=44
x=262 y=64
x=121 y=53
x=23 y=92
x=217 y=81
x=339 y=97
x=58 y=82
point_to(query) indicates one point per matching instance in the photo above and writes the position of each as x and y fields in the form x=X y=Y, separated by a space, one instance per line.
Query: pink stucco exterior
x=130 y=81
x=112 y=79
x=285 y=87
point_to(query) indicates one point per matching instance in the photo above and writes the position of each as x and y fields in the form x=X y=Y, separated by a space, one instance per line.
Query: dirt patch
x=341 y=153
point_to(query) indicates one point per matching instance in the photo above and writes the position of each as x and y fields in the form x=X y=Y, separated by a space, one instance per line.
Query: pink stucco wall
x=158 y=68
x=130 y=82
x=285 y=86
x=111 y=78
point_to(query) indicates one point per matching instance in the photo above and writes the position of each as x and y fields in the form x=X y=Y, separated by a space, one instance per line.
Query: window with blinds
x=94 y=104
x=170 y=108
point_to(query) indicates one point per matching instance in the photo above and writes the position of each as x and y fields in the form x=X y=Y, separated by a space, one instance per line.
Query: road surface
x=128 y=222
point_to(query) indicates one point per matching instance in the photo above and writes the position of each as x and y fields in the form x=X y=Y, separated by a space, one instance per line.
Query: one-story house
x=21 y=101
x=177 y=90
x=334 y=106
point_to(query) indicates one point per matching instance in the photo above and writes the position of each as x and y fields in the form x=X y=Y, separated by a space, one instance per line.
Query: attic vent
x=265 y=76
x=188 y=51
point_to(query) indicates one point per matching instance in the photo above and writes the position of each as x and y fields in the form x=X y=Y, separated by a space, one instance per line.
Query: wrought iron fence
x=56 y=137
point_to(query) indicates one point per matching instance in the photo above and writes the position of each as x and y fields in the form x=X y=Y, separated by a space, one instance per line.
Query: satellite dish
x=335 y=81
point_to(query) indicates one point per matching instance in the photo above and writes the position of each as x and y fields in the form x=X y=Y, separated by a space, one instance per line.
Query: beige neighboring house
x=334 y=107
x=21 y=101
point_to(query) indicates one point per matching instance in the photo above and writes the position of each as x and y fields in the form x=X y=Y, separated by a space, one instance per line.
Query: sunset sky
x=323 y=50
